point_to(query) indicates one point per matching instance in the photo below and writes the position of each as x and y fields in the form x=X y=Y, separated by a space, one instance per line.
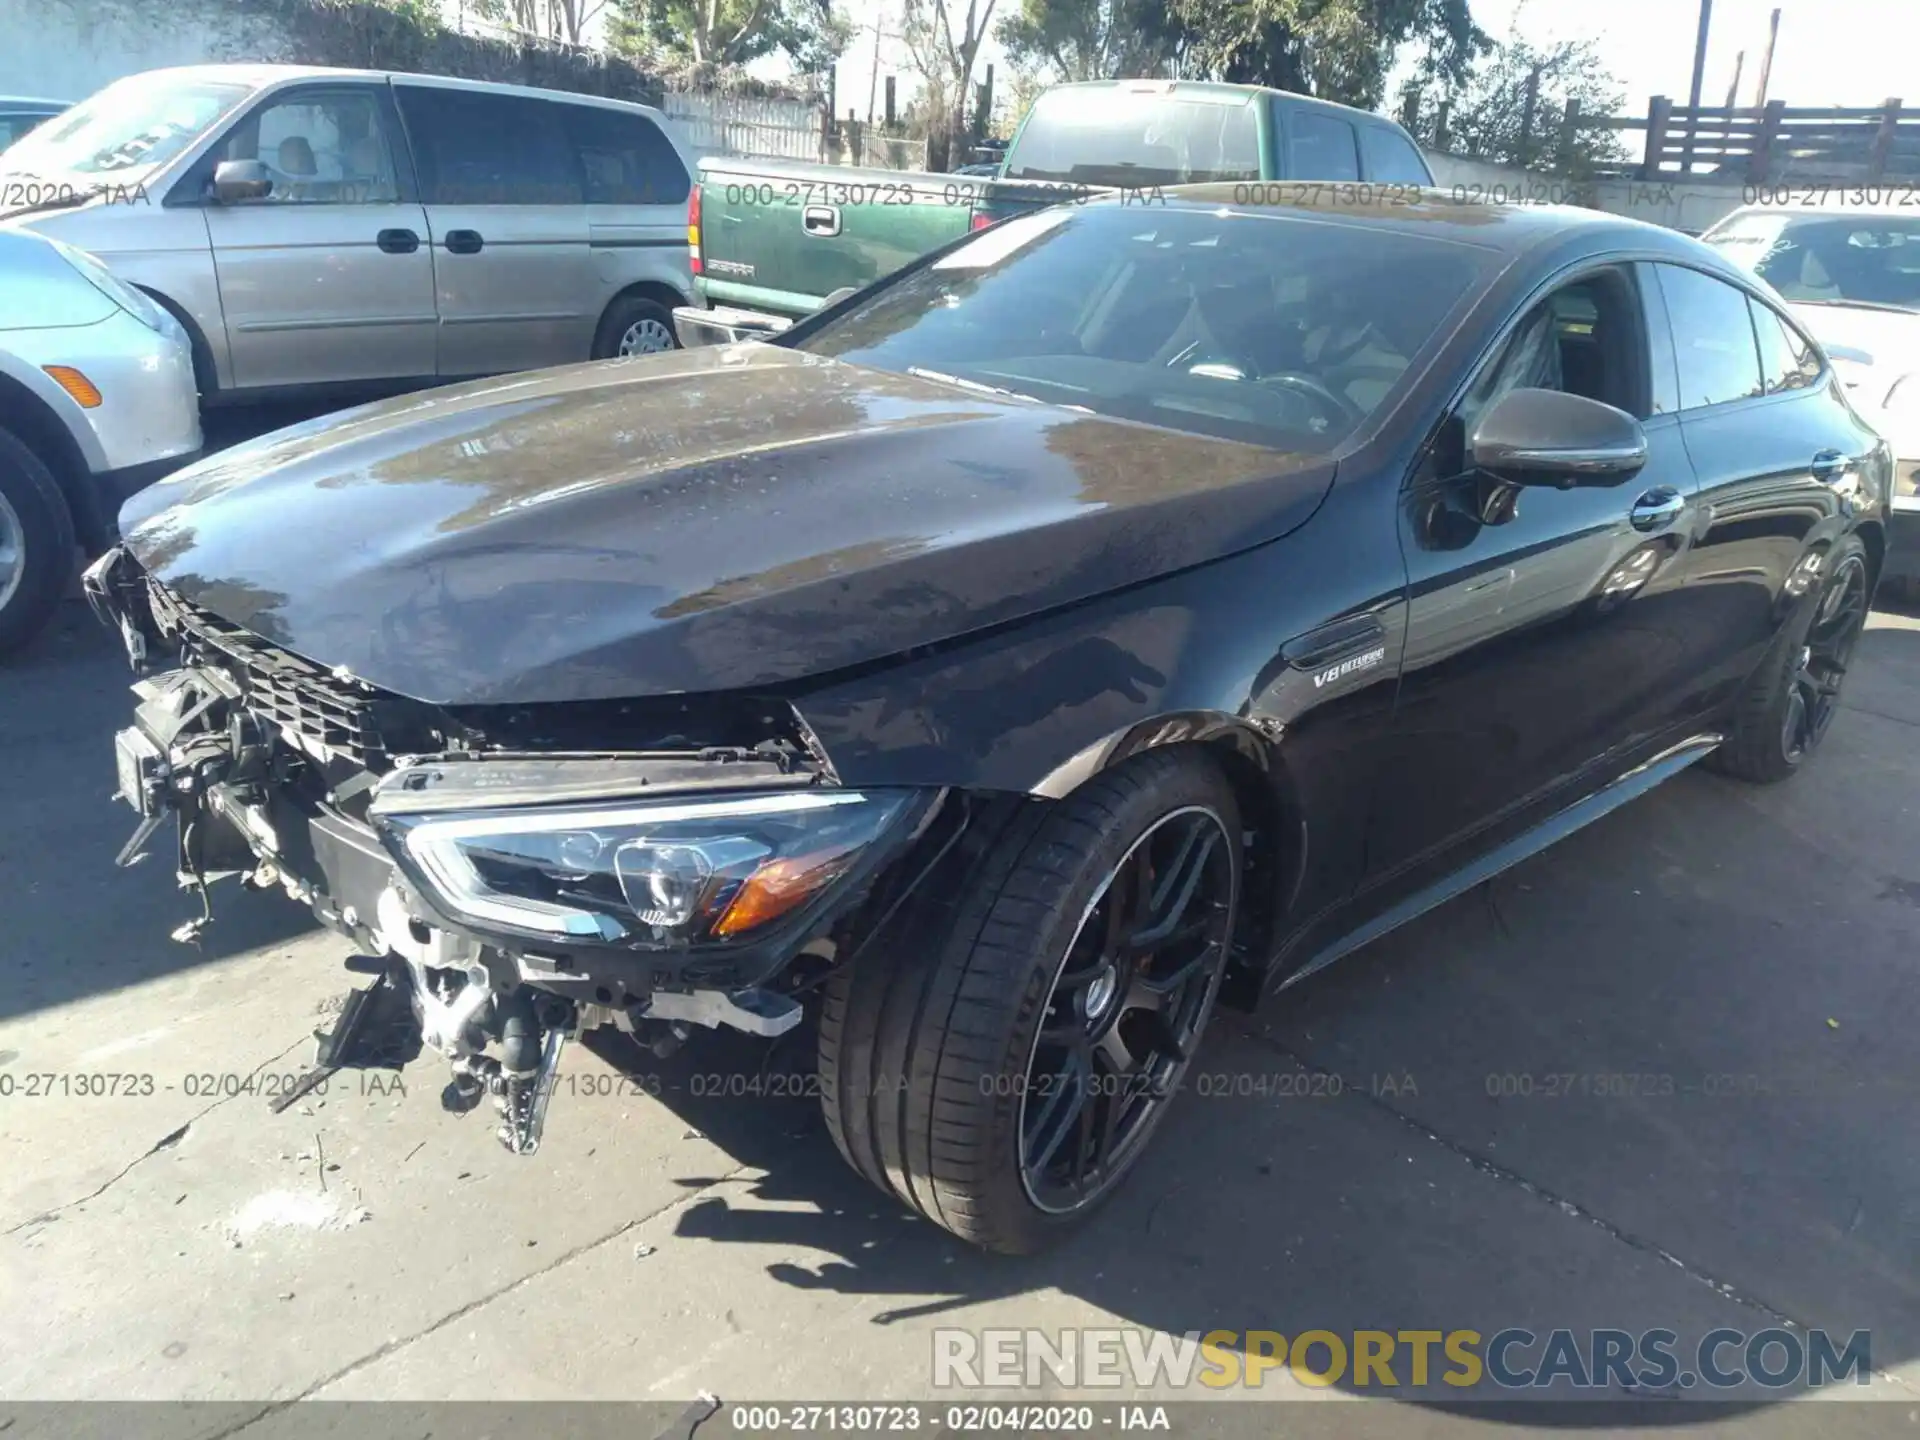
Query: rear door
x=1778 y=453
x=506 y=206
x=328 y=278
x=636 y=188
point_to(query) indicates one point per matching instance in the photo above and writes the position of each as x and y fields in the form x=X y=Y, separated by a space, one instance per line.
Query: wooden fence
x=1773 y=144
x=1778 y=143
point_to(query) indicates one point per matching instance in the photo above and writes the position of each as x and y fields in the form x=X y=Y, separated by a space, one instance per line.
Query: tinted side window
x=477 y=148
x=1319 y=147
x=1712 y=337
x=1390 y=159
x=624 y=159
x=1787 y=361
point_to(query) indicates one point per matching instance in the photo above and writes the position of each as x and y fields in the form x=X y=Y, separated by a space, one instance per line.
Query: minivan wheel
x=634 y=326
x=1004 y=1079
x=36 y=543
x=1791 y=702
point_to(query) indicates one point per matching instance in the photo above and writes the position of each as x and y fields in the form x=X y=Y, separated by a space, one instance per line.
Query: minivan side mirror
x=1548 y=437
x=235 y=180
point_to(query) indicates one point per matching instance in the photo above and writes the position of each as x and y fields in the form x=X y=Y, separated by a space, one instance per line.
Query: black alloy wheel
x=1792 y=699
x=1821 y=666
x=1125 y=1009
x=1002 y=1059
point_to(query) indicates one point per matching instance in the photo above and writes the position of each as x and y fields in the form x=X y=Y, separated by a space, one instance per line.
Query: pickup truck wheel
x=634 y=326
x=1005 y=1078
x=36 y=543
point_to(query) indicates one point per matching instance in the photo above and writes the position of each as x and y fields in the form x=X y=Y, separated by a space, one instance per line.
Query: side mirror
x=1547 y=437
x=235 y=180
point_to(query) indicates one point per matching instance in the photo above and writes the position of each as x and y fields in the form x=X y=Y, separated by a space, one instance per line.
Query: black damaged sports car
x=1122 y=611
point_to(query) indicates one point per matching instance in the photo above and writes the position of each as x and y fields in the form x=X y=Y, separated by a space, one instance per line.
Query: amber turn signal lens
x=774 y=889
x=75 y=384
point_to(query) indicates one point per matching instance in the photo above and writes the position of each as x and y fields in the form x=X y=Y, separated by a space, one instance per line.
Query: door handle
x=1830 y=465
x=464 y=242
x=397 y=242
x=1657 y=509
x=820 y=220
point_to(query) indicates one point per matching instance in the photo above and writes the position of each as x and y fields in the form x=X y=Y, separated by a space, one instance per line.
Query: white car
x=96 y=400
x=1851 y=275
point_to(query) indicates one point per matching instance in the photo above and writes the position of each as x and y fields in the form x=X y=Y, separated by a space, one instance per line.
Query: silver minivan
x=314 y=228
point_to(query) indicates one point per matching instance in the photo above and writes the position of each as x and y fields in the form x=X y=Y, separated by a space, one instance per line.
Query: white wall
x=67 y=49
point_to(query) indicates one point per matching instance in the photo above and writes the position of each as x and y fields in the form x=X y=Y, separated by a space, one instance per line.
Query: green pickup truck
x=773 y=241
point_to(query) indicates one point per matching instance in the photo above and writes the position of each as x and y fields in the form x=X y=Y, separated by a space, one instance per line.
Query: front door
x=1547 y=629
x=329 y=278
x=507 y=207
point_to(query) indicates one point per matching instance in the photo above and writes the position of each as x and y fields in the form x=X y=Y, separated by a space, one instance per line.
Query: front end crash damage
x=511 y=876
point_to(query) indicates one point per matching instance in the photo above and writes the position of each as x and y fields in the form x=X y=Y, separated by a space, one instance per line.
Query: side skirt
x=1630 y=786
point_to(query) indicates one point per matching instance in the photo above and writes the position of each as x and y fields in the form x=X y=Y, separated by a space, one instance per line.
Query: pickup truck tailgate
x=782 y=236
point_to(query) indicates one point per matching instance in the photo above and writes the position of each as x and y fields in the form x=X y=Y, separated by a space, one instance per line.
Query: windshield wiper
x=973 y=385
x=1845 y=304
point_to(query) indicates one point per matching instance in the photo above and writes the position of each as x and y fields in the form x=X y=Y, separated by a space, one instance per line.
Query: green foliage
x=1090 y=39
x=1489 y=110
x=706 y=37
x=1334 y=49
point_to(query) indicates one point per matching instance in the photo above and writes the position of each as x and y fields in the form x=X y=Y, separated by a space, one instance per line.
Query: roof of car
x=1513 y=229
x=255 y=75
x=1819 y=204
x=34 y=102
x=1221 y=89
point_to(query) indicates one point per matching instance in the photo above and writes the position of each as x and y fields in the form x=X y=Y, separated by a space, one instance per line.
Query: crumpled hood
x=702 y=520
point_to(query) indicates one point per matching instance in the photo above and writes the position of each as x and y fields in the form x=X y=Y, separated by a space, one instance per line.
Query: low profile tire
x=1791 y=701
x=36 y=544
x=635 y=326
x=1004 y=1077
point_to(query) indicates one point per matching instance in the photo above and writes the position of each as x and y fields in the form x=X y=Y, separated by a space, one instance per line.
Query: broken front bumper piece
x=250 y=801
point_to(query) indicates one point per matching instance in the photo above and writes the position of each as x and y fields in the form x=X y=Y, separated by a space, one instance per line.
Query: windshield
x=131 y=125
x=1120 y=136
x=1274 y=330
x=1837 y=260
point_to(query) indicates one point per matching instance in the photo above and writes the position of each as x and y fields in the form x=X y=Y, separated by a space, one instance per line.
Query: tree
x=1090 y=39
x=944 y=56
x=549 y=19
x=1334 y=49
x=701 y=38
x=1494 y=118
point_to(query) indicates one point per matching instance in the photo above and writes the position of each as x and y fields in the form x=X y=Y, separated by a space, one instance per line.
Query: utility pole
x=873 y=77
x=1733 y=90
x=1766 y=60
x=1693 y=94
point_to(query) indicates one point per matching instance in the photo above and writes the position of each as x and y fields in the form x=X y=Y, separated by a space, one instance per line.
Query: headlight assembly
x=664 y=874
